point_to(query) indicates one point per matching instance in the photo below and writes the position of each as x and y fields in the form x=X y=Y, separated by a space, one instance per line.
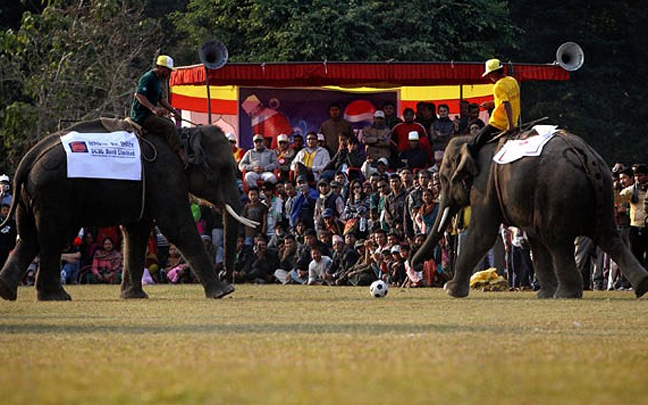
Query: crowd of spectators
x=346 y=207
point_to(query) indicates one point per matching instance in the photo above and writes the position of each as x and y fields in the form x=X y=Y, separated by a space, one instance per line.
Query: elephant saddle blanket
x=531 y=145
x=103 y=155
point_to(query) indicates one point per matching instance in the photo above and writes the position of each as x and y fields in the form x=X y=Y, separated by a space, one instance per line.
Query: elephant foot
x=57 y=295
x=219 y=291
x=456 y=290
x=133 y=294
x=545 y=294
x=639 y=290
x=570 y=294
x=6 y=292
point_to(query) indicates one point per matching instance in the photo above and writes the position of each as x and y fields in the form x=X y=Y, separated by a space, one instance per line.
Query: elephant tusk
x=446 y=211
x=245 y=221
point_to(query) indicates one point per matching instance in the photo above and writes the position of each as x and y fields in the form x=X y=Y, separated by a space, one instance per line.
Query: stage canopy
x=292 y=97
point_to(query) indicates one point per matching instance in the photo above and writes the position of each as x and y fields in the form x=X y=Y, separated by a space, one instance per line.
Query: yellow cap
x=492 y=65
x=166 y=61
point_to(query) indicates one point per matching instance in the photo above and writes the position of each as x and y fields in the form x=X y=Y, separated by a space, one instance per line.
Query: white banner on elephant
x=532 y=146
x=111 y=155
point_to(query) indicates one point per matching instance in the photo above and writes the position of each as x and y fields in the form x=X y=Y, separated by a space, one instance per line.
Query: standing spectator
x=473 y=117
x=442 y=129
x=401 y=133
x=8 y=234
x=258 y=163
x=236 y=151
x=291 y=194
x=107 y=263
x=331 y=223
x=425 y=115
x=395 y=205
x=303 y=207
x=5 y=190
x=413 y=202
x=391 y=119
x=474 y=129
x=256 y=211
x=522 y=265
x=427 y=212
x=333 y=126
x=274 y=204
x=285 y=155
x=635 y=195
x=377 y=138
x=312 y=159
x=327 y=199
x=461 y=124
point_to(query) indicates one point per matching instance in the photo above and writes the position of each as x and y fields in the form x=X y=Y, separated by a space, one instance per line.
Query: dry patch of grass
x=294 y=344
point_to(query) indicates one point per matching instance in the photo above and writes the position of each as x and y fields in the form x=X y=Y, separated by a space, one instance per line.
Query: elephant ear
x=467 y=167
x=196 y=143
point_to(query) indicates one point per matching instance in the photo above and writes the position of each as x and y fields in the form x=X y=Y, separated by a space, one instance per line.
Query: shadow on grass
x=373 y=329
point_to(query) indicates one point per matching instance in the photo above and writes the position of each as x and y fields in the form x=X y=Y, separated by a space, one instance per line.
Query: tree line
x=64 y=61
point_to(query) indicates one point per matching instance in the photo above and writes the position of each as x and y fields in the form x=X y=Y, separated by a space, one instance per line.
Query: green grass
x=322 y=345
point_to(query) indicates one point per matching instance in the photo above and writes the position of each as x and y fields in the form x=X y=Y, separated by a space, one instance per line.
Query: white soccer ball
x=378 y=289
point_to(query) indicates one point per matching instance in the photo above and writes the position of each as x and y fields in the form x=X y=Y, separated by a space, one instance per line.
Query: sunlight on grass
x=295 y=344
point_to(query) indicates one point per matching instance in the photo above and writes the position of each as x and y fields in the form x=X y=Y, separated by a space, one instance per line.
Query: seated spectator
x=255 y=210
x=177 y=268
x=88 y=248
x=107 y=263
x=331 y=223
x=312 y=159
x=70 y=264
x=364 y=271
x=381 y=167
x=287 y=260
x=236 y=151
x=209 y=248
x=258 y=163
x=414 y=157
x=5 y=191
x=318 y=266
x=348 y=156
x=343 y=258
x=327 y=199
x=298 y=142
x=261 y=268
x=377 y=138
x=8 y=234
x=285 y=155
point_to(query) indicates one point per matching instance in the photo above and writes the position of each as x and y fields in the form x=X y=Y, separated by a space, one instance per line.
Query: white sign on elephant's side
x=111 y=155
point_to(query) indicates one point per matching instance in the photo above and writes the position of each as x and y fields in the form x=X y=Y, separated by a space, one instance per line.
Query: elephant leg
x=473 y=248
x=180 y=230
x=544 y=270
x=17 y=263
x=570 y=281
x=51 y=238
x=135 y=240
x=613 y=245
x=19 y=260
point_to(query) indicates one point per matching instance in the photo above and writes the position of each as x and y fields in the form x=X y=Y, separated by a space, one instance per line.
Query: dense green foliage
x=70 y=60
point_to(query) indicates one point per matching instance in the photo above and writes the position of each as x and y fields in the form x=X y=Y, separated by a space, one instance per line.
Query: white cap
x=413 y=136
x=230 y=137
x=383 y=161
x=320 y=137
x=4 y=177
x=282 y=138
x=379 y=113
x=258 y=137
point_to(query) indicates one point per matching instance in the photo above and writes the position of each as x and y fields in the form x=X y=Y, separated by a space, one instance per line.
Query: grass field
x=322 y=345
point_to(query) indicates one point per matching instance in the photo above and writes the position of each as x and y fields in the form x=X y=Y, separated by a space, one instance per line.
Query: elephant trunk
x=441 y=223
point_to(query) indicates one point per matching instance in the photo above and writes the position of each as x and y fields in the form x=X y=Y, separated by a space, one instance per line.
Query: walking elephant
x=50 y=209
x=565 y=192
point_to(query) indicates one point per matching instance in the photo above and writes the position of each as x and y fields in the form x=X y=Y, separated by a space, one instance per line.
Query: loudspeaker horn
x=570 y=56
x=213 y=54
